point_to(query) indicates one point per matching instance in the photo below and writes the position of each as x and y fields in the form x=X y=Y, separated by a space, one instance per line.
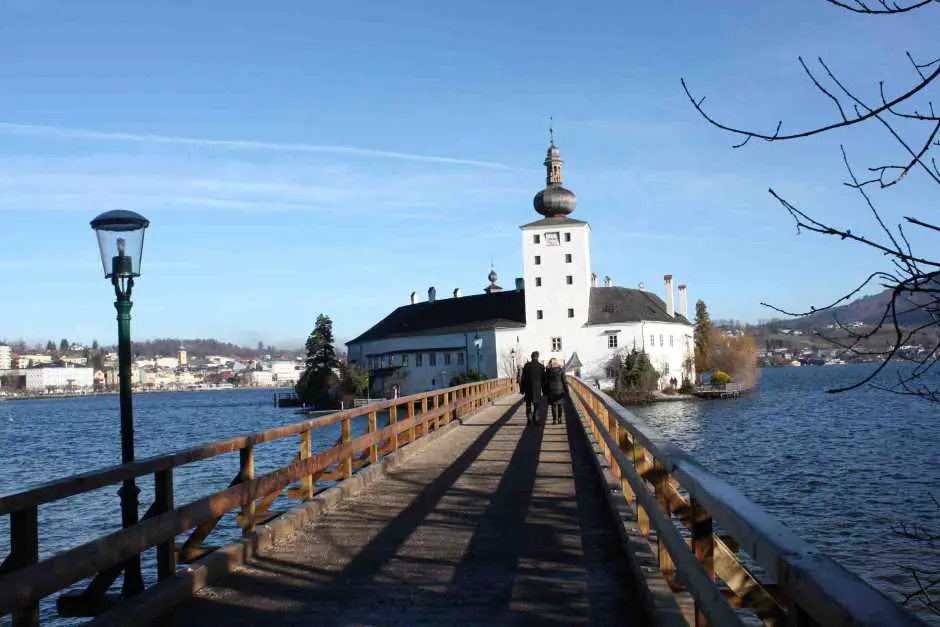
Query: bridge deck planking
x=495 y=523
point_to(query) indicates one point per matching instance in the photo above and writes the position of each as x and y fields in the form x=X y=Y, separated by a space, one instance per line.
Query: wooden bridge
x=454 y=512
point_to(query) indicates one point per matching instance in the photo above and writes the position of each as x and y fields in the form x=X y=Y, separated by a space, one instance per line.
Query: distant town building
x=557 y=308
x=59 y=379
x=6 y=357
x=183 y=358
x=259 y=378
x=286 y=372
x=31 y=360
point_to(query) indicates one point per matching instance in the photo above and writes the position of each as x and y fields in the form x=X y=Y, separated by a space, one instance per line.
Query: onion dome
x=554 y=201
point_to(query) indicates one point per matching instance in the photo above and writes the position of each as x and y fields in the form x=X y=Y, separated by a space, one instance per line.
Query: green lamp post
x=121 y=240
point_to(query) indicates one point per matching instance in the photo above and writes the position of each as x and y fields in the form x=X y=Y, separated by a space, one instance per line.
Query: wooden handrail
x=77 y=484
x=24 y=580
x=815 y=586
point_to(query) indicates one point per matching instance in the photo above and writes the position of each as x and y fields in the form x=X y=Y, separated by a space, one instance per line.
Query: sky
x=297 y=158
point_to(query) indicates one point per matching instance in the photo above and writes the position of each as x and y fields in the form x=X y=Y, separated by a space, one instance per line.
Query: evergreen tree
x=50 y=346
x=314 y=385
x=703 y=330
x=94 y=345
x=63 y=345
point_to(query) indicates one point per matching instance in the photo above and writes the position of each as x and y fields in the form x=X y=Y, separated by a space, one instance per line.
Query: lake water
x=840 y=470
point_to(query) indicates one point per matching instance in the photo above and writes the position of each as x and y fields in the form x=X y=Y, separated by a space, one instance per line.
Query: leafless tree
x=911 y=313
x=910 y=119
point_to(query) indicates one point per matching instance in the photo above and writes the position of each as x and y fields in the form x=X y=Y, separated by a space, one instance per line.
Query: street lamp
x=121 y=240
x=478 y=343
x=512 y=354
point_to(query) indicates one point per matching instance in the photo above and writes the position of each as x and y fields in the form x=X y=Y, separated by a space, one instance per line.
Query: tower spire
x=552 y=158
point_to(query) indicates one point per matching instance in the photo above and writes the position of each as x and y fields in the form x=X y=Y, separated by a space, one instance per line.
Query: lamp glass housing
x=478 y=341
x=121 y=242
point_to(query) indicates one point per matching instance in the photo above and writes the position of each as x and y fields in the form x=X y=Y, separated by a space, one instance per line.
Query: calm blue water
x=841 y=470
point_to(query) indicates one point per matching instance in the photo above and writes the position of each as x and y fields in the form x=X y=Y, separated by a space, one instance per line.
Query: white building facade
x=557 y=308
x=48 y=379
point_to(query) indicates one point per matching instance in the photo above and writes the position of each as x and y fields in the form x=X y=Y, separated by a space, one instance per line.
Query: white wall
x=667 y=358
x=554 y=297
x=59 y=378
x=463 y=357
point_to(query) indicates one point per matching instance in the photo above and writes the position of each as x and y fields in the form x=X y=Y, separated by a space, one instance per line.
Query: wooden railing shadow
x=25 y=580
x=706 y=534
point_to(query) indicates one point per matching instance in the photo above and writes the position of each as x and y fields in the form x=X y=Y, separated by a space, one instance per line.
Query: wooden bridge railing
x=702 y=525
x=25 y=580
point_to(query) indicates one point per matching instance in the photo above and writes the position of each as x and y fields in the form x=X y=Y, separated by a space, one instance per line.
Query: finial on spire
x=551 y=131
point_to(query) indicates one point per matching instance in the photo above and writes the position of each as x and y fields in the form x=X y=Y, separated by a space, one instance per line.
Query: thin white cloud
x=59 y=132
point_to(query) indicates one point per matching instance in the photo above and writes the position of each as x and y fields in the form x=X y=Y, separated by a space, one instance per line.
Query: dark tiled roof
x=451 y=315
x=563 y=221
x=610 y=305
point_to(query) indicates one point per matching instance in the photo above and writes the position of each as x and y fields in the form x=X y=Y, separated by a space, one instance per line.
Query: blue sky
x=297 y=158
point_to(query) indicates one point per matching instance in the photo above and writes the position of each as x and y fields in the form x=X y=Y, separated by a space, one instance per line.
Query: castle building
x=557 y=308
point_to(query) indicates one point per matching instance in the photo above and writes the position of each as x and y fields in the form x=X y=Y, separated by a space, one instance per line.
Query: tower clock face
x=551 y=239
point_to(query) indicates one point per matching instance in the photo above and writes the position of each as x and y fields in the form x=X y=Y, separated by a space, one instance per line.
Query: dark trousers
x=556 y=410
x=531 y=404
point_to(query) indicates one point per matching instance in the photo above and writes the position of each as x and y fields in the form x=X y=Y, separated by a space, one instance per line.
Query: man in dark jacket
x=530 y=384
x=555 y=388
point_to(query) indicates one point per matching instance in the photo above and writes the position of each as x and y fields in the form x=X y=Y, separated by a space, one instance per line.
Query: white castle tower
x=556 y=252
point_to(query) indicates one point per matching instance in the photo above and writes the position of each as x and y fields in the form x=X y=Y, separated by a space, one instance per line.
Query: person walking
x=530 y=384
x=555 y=388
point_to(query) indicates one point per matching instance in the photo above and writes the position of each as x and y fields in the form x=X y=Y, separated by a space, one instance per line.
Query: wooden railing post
x=393 y=420
x=661 y=486
x=438 y=403
x=374 y=449
x=424 y=415
x=247 y=459
x=166 y=552
x=703 y=545
x=410 y=414
x=346 y=437
x=24 y=551
x=306 y=446
x=642 y=518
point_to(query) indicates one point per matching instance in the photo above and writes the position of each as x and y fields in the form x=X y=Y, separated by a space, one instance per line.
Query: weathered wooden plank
x=191 y=549
x=166 y=552
x=24 y=553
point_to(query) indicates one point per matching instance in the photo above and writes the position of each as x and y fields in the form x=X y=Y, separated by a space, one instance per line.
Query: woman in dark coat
x=555 y=388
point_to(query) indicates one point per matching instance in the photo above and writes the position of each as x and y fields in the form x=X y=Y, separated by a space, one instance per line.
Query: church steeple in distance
x=554 y=201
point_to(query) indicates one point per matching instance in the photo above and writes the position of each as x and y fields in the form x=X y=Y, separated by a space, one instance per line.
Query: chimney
x=670 y=308
x=456 y=292
x=414 y=297
x=683 y=303
x=593 y=279
x=642 y=285
x=432 y=294
x=607 y=281
x=520 y=284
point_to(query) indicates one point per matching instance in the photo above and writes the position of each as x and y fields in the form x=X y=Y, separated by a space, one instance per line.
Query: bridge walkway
x=495 y=523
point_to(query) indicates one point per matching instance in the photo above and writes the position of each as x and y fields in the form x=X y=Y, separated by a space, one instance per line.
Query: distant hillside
x=868 y=310
x=200 y=348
